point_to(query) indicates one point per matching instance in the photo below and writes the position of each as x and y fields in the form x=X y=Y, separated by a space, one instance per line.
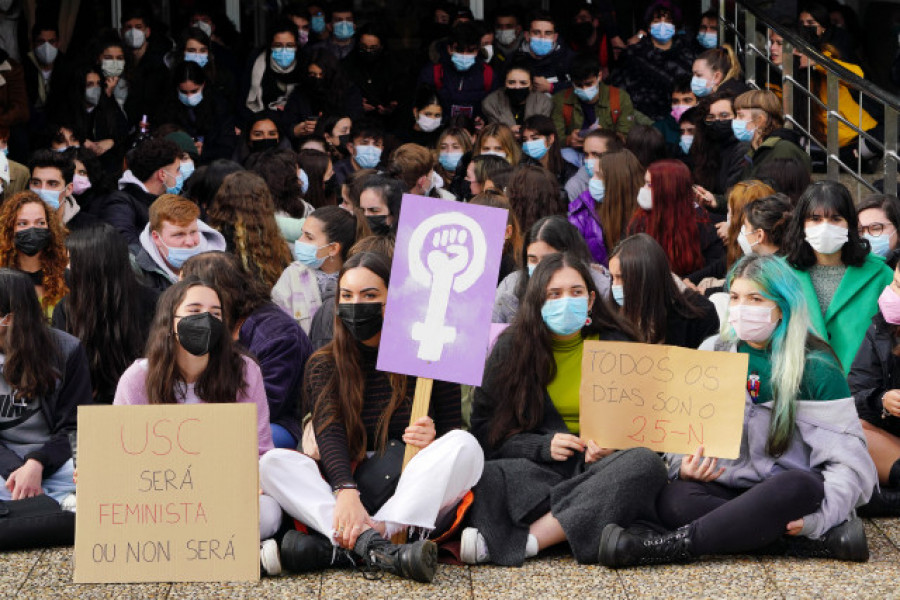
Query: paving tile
x=720 y=577
x=546 y=578
x=15 y=567
x=450 y=583
x=881 y=546
x=890 y=528
x=817 y=578
x=294 y=587
x=52 y=578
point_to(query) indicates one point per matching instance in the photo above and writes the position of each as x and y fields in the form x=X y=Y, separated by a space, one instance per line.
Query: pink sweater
x=132 y=389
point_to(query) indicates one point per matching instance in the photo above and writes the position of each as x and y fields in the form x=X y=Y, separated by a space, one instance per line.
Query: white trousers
x=433 y=483
x=269 y=517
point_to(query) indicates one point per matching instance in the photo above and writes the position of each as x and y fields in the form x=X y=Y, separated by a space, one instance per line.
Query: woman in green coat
x=760 y=121
x=839 y=276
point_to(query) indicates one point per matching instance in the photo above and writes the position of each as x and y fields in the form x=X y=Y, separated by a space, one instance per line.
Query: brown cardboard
x=665 y=398
x=167 y=493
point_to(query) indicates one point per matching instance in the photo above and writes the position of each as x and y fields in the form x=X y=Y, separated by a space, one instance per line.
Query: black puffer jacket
x=875 y=370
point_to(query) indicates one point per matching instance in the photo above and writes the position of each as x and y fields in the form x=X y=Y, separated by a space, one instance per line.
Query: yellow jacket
x=847 y=106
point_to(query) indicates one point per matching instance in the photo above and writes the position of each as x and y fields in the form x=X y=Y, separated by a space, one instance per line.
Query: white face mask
x=488 y=52
x=428 y=124
x=826 y=238
x=112 y=67
x=745 y=244
x=645 y=198
x=135 y=38
x=752 y=323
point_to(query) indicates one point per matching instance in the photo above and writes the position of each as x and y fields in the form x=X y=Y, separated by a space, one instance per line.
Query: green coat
x=850 y=313
x=627 y=114
x=774 y=147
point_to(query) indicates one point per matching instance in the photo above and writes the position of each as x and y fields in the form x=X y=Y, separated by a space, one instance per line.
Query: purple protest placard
x=443 y=281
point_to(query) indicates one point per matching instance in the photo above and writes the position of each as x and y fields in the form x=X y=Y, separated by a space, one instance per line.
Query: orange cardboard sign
x=167 y=493
x=665 y=398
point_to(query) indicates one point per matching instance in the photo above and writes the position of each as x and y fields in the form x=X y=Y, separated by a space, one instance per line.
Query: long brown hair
x=223 y=378
x=340 y=397
x=623 y=177
x=512 y=245
x=53 y=258
x=244 y=203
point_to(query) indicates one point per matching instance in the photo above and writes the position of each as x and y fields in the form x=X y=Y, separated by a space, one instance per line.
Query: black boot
x=625 y=548
x=301 y=552
x=417 y=561
x=883 y=503
x=846 y=541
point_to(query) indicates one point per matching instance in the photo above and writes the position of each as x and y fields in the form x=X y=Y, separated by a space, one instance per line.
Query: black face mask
x=316 y=84
x=330 y=188
x=343 y=140
x=379 y=225
x=198 y=334
x=362 y=319
x=263 y=145
x=720 y=131
x=32 y=240
x=369 y=56
x=517 y=95
x=582 y=32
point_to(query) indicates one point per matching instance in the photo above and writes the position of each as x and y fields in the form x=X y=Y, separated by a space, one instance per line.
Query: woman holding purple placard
x=543 y=484
x=355 y=497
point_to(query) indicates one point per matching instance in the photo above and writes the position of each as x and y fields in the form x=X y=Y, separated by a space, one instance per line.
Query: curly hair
x=54 y=257
x=243 y=207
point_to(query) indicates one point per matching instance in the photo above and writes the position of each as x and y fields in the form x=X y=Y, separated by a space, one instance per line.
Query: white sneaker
x=68 y=503
x=473 y=549
x=269 y=557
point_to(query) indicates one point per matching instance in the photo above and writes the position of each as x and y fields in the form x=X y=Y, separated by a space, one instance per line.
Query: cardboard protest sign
x=167 y=493
x=664 y=398
x=443 y=281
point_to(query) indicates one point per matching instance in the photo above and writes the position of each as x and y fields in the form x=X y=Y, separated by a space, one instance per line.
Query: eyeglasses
x=874 y=229
x=719 y=117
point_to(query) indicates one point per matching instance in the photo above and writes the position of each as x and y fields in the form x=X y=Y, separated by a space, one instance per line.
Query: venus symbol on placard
x=455 y=249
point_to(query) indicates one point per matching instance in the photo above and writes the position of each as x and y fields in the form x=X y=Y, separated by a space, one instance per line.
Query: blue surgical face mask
x=306 y=254
x=708 y=40
x=590 y=165
x=197 y=57
x=284 y=57
x=587 y=94
x=686 y=143
x=536 y=149
x=50 y=197
x=177 y=256
x=531 y=269
x=191 y=99
x=344 y=30
x=700 y=86
x=597 y=189
x=367 y=156
x=187 y=168
x=618 y=294
x=317 y=23
x=179 y=183
x=565 y=316
x=541 y=46
x=450 y=160
x=662 y=32
x=740 y=130
x=462 y=62
x=304 y=181
x=881 y=244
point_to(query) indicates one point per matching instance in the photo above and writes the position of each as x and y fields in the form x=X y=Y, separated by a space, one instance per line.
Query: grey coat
x=521 y=482
x=496 y=108
x=828 y=440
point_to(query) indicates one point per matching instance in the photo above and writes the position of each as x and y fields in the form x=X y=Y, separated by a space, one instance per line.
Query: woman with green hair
x=803 y=465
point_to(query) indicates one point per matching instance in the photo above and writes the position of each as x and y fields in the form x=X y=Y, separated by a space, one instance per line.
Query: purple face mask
x=678 y=110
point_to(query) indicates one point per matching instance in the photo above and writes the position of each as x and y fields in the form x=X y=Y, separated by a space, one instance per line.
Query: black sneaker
x=304 y=552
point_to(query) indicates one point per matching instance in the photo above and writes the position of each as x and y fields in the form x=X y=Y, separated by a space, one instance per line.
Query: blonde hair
x=742 y=194
x=724 y=60
x=502 y=134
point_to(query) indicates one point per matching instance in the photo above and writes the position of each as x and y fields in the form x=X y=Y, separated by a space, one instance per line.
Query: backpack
x=615 y=106
x=488 y=75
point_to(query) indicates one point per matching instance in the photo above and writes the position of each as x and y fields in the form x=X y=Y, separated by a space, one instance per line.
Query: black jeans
x=727 y=520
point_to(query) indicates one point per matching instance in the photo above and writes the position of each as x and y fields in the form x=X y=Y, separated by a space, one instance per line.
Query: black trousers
x=727 y=520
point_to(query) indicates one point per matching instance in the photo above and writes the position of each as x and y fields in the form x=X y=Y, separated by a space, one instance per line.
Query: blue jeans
x=282 y=438
x=57 y=485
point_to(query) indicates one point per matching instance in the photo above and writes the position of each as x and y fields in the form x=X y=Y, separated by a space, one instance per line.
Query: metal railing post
x=749 y=47
x=787 y=81
x=721 y=22
x=833 y=144
x=890 y=150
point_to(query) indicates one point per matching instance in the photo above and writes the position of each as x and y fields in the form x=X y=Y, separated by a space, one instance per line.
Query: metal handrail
x=835 y=76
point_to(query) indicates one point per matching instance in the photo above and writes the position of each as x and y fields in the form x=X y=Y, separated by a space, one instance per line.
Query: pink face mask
x=889 y=303
x=80 y=184
x=678 y=110
x=752 y=323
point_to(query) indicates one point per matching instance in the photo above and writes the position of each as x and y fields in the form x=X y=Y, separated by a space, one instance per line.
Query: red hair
x=673 y=221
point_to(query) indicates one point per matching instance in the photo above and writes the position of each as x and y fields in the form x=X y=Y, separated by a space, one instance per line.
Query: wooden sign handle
x=421 y=403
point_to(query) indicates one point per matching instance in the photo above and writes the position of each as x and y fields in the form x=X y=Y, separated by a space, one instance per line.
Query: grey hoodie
x=210 y=240
x=828 y=440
